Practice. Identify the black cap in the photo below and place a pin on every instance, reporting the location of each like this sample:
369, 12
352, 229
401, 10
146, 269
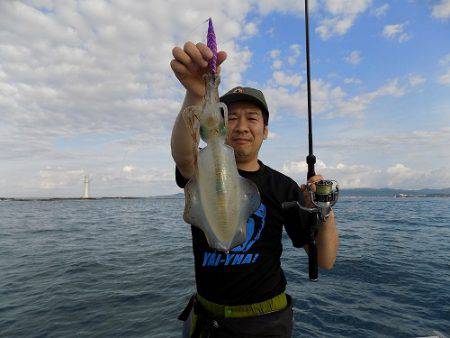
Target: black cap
247, 94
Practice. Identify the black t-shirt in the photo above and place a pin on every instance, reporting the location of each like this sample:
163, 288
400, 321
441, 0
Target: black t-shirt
251, 272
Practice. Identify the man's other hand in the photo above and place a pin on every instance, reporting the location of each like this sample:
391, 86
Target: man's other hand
312, 185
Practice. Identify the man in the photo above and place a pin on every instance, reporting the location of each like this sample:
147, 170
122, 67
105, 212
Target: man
241, 294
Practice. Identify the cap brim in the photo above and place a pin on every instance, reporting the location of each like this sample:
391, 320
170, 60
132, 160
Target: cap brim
239, 97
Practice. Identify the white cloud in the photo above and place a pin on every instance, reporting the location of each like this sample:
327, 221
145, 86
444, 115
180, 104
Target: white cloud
51, 178
300, 167
251, 29
284, 79
445, 61
343, 15
283, 6
338, 15
365, 176
237, 64
295, 49
86, 87
101, 62
358, 104
399, 175
346, 7
334, 26
415, 79
272, 135
380, 11
441, 10
354, 57
352, 80
277, 64
327, 101
399, 169
396, 31
445, 78
414, 143
80, 76
128, 168
275, 53
292, 60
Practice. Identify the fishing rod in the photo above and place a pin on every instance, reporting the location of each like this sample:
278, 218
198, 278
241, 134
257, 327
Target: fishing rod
324, 193
310, 159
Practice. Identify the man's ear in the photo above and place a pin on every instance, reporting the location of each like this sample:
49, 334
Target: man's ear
266, 132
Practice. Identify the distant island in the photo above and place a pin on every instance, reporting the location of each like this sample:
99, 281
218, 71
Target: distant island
373, 192
359, 192
399, 193
65, 198
381, 192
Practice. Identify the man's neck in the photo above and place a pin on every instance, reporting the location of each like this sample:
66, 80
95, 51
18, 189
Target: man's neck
248, 166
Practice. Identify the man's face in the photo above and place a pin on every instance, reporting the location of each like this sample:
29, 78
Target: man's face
246, 130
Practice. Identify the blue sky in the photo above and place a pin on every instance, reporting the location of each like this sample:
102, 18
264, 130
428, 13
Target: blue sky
86, 88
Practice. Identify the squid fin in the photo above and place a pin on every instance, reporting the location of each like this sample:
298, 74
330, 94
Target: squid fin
250, 203
191, 203
250, 195
191, 116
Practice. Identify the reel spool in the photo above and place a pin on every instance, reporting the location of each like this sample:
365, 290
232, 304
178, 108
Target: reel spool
325, 196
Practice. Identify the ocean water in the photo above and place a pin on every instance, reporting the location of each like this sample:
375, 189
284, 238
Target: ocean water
124, 268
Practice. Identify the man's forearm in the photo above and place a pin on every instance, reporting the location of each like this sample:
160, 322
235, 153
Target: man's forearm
327, 243
181, 141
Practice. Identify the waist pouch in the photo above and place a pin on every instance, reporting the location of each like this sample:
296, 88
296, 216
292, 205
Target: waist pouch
272, 318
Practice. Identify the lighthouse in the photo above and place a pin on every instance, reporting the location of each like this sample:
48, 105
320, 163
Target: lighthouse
86, 187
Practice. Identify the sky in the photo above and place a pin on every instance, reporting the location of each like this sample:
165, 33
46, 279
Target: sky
86, 89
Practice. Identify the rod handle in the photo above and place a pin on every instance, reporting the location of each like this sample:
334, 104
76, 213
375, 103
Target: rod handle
313, 267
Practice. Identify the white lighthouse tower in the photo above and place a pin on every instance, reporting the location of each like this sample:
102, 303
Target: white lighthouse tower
86, 187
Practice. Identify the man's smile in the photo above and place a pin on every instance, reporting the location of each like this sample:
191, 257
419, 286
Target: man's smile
241, 140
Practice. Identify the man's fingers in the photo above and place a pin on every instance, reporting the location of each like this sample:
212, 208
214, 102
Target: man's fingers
315, 179
221, 57
181, 56
195, 54
205, 51
179, 68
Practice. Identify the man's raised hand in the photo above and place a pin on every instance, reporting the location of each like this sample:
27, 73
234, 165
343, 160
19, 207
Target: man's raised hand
189, 65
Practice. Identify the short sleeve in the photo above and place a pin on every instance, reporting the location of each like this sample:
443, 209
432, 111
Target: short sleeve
296, 220
180, 179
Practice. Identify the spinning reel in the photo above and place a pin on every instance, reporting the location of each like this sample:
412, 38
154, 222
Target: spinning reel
325, 196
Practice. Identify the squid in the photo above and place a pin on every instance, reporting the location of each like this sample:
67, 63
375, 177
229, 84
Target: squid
217, 199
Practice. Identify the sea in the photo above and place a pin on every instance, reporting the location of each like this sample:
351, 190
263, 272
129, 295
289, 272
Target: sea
124, 268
